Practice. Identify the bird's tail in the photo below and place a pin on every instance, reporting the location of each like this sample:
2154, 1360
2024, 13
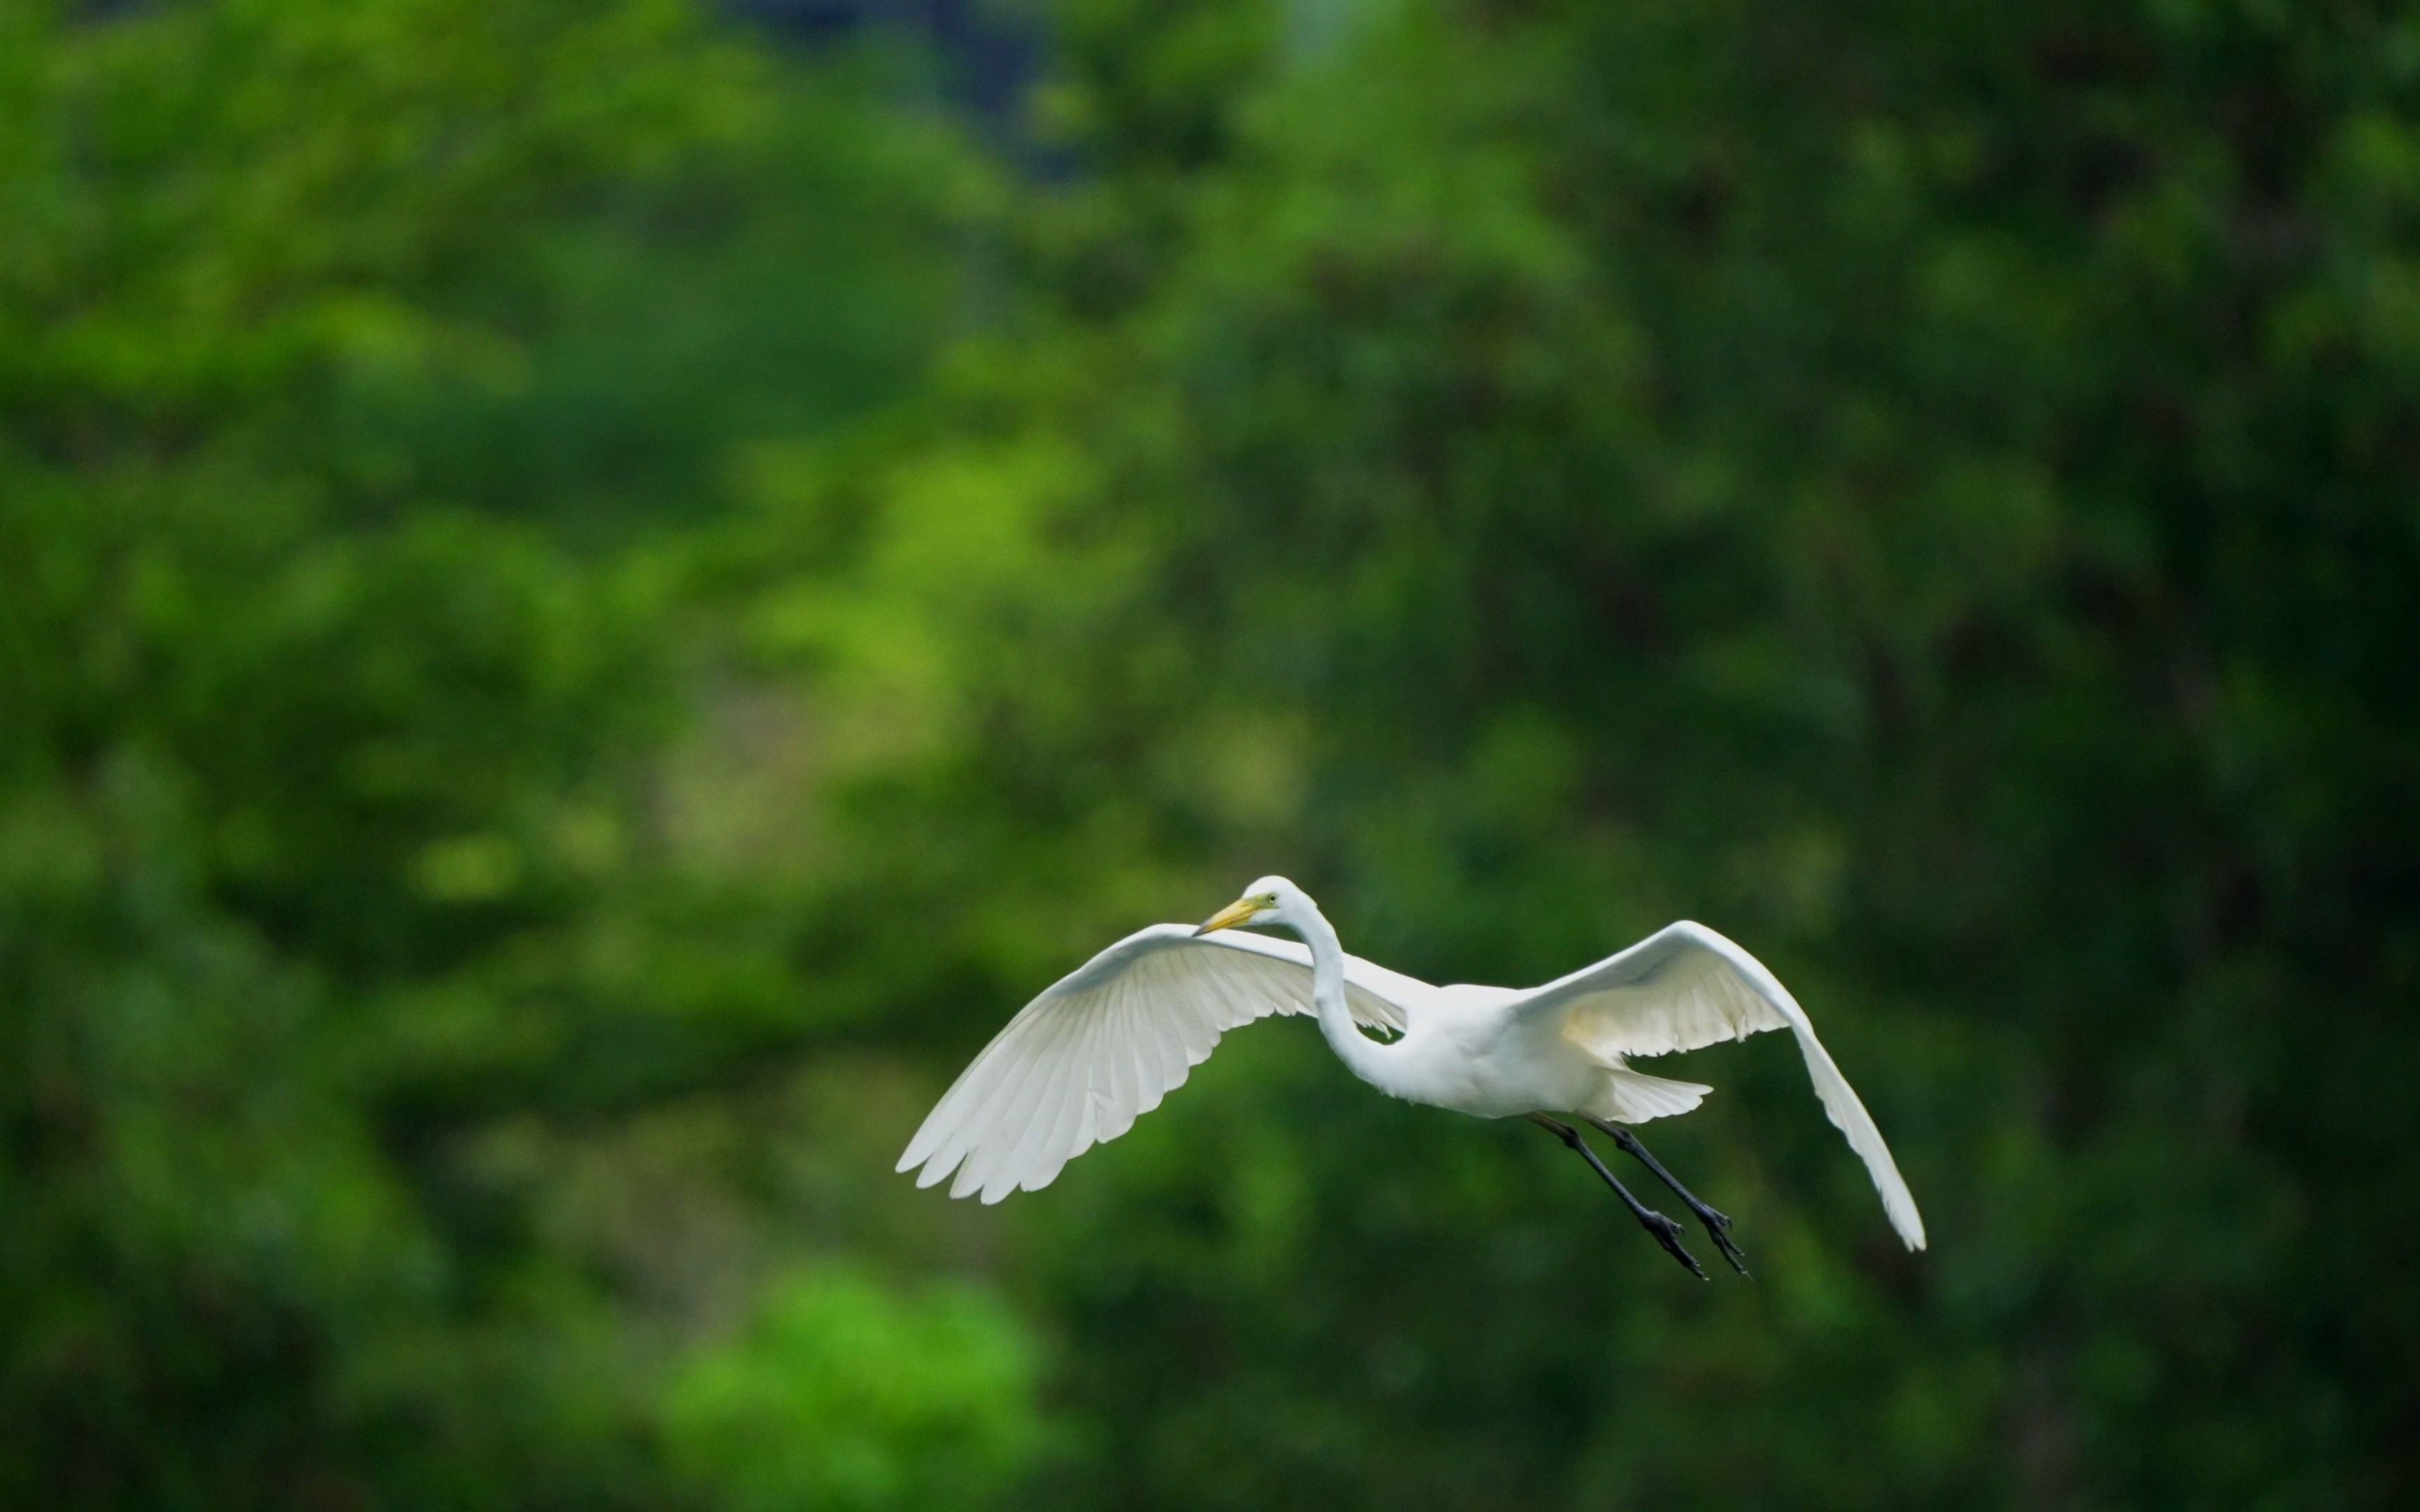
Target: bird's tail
1634, 1097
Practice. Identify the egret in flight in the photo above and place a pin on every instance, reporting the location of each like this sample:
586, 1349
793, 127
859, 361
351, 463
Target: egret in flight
1103, 1045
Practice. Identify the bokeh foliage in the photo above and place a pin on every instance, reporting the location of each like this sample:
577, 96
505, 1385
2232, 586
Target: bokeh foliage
586, 602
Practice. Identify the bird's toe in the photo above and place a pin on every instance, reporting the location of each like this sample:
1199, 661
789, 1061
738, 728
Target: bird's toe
1668, 1233
1730, 1252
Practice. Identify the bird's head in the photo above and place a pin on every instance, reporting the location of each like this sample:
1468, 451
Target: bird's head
1262, 903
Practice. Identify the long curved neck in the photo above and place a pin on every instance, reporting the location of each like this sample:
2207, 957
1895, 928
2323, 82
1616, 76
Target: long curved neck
1365, 1057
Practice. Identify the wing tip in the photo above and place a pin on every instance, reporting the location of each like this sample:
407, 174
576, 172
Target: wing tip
1910, 1227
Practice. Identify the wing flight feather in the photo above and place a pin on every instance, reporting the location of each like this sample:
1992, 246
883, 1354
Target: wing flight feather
1110, 1040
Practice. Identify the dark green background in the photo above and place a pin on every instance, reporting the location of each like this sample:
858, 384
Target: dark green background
589, 600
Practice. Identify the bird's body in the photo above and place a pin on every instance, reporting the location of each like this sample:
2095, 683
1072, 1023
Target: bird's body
1105, 1044
1466, 1050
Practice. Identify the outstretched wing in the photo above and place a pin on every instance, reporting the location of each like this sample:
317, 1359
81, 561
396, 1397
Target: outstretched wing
1686, 986
1081, 1062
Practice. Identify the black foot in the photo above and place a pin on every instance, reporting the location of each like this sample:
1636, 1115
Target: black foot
1667, 1234
1718, 1228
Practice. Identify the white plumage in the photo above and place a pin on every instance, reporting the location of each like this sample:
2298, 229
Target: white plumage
1104, 1044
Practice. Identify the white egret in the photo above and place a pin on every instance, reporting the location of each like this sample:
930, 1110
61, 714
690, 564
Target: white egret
1105, 1042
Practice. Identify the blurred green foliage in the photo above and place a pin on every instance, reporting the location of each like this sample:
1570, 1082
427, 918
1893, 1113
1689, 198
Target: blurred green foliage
843, 1395
587, 603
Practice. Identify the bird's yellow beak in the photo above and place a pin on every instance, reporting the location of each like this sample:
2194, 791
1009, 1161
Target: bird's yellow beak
1231, 915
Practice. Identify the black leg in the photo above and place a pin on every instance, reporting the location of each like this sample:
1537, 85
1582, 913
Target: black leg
1666, 1232
1718, 1228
